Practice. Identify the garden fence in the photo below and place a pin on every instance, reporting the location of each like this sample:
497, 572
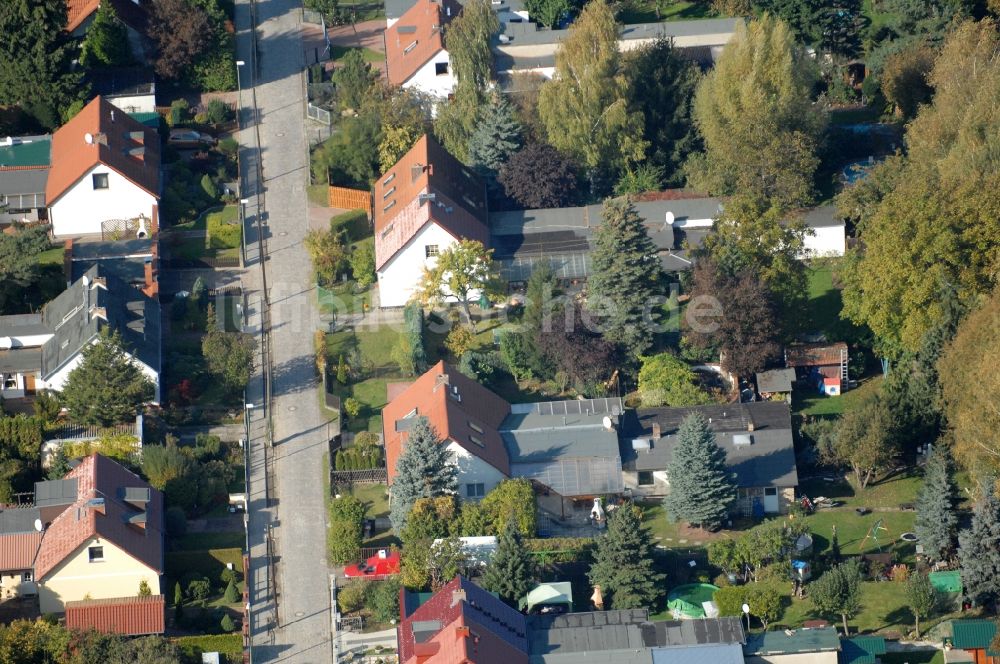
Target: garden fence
350, 477
319, 114
346, 198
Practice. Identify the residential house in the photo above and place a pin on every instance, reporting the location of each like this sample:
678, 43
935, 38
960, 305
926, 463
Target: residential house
95, 534
756, 437
524, 47
128, 616
823, 365
425, 203
24, 170
38, 351
104, 177
463, 624
971, 642
568, 449
507, 11
132, 89
415, 54
132, 13
465, 415
816, 645
460, 624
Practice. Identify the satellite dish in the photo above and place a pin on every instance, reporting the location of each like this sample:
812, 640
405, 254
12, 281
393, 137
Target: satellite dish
6, 343
670, 218
746, 607
88, 138
608, 424
38, 525
86, 281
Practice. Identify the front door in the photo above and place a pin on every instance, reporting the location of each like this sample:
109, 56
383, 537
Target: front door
771, 500
29, 383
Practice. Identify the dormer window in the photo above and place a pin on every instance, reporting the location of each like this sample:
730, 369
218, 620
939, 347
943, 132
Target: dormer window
409, 48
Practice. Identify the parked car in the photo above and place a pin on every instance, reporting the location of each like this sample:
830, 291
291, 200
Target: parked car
384, 563
190, 138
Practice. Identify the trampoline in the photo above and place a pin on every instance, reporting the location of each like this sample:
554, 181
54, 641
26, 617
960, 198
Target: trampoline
687, 601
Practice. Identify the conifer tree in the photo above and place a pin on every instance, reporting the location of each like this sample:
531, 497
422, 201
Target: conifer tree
497, 136
510, 571
979, 550
424, 470
106, 43
624, 285
231, 595
107, 387
701, 487
623, 562
936, 521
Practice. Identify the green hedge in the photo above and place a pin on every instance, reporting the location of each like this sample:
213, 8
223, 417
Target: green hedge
208, 562
230, 645
223, 229
413, 328
560, 549
354, 224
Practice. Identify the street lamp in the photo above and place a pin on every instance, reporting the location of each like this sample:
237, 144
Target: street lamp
243, 226
239, 95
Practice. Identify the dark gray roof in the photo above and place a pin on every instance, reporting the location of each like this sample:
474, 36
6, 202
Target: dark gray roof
823, 216
24, 188
693, 632
55, 492
18, 520
520, 34
767, 460
775, 380
125, 81
396, 8
594, 631
778, 642
20, 360
562, 429
79, 313
18, 325
722, 653
130, 270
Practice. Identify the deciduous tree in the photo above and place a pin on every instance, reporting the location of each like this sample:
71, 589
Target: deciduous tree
537, 176
937, 523
230, 355
702, 488
107, 387
327, 251
921, 597
19, 268
904, 78
979, 549
623, 562
511, 501
666, 380
510, 571
181, 31
463, 271
838, 591
866, 438
424, 470
626, 279
760, 125
585, 107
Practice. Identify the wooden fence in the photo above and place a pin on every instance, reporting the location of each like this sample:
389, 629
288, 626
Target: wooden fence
349, 477
351, 199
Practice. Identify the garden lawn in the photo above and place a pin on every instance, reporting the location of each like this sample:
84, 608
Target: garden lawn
53, 256
338, 53
200, 541
851, 531
374, 498
811, 402
644, 11
375, 346
663, 532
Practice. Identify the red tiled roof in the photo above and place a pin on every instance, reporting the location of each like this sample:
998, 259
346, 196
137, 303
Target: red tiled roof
114, 135
814, 355
459, 204
131, 616
474, 627
17, 551
130, 13
100, 477
417, 37
453, 408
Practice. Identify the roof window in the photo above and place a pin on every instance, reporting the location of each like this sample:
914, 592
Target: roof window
388, 193
387, 208
409, 48
477, 441
389, 178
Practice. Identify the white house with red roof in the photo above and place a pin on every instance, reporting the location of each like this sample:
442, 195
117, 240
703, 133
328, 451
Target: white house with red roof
425, 203
95, 534
104, 177
415, 54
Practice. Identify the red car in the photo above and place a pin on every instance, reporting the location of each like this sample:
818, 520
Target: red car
385, 563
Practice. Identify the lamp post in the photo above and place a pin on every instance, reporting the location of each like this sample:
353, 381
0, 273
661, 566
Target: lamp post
746, 610
239, 95
243, 227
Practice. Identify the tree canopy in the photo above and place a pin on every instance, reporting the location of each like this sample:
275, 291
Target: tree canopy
230, 355
623, 562
702, 488
19, 269
107, 387
423, 470
936, 523
585, 108
838, 591
666, 380
106, 43
510, 571
755, 113
979, 550
929, 220
538, 176
181, 31
463, 271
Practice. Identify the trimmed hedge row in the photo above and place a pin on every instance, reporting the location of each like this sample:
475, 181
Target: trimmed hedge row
229, 645
560, 549
413, 329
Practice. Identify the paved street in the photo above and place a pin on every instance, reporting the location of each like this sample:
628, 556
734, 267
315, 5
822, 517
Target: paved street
298, 630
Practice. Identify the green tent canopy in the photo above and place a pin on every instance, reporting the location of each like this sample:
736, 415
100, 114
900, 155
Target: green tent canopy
946, 582
560, 592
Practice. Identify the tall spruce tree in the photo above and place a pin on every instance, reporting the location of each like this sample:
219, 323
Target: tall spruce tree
625, 284
106, 43
623, 562
979, 550
936, 522
423, 470
107, 387
496, 137
701, 487
510, 571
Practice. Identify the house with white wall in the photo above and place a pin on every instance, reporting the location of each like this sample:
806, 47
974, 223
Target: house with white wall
39, 351
95, 534
104, 177
425, 203
414, 48
507, 11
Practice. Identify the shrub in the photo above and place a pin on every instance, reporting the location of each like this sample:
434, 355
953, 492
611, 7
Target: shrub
383, 600
345, 533
209, 187
229, 146
352, 596
227, 623
413, 330
352, 407
217, 111
176, 521
460, 340
229, 575
178, 112
199, 588
232, 595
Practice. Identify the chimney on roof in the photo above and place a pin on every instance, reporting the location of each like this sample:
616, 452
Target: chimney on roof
656, 431
442, 379
458, 596
750, 424
416, 170
463, 631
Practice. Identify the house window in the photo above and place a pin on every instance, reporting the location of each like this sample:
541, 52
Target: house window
475, 427
96, 554
770, 491
431, 250
477, 441
441, 68
10, 382
100, 180
26, 577
475, 490
645, 478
